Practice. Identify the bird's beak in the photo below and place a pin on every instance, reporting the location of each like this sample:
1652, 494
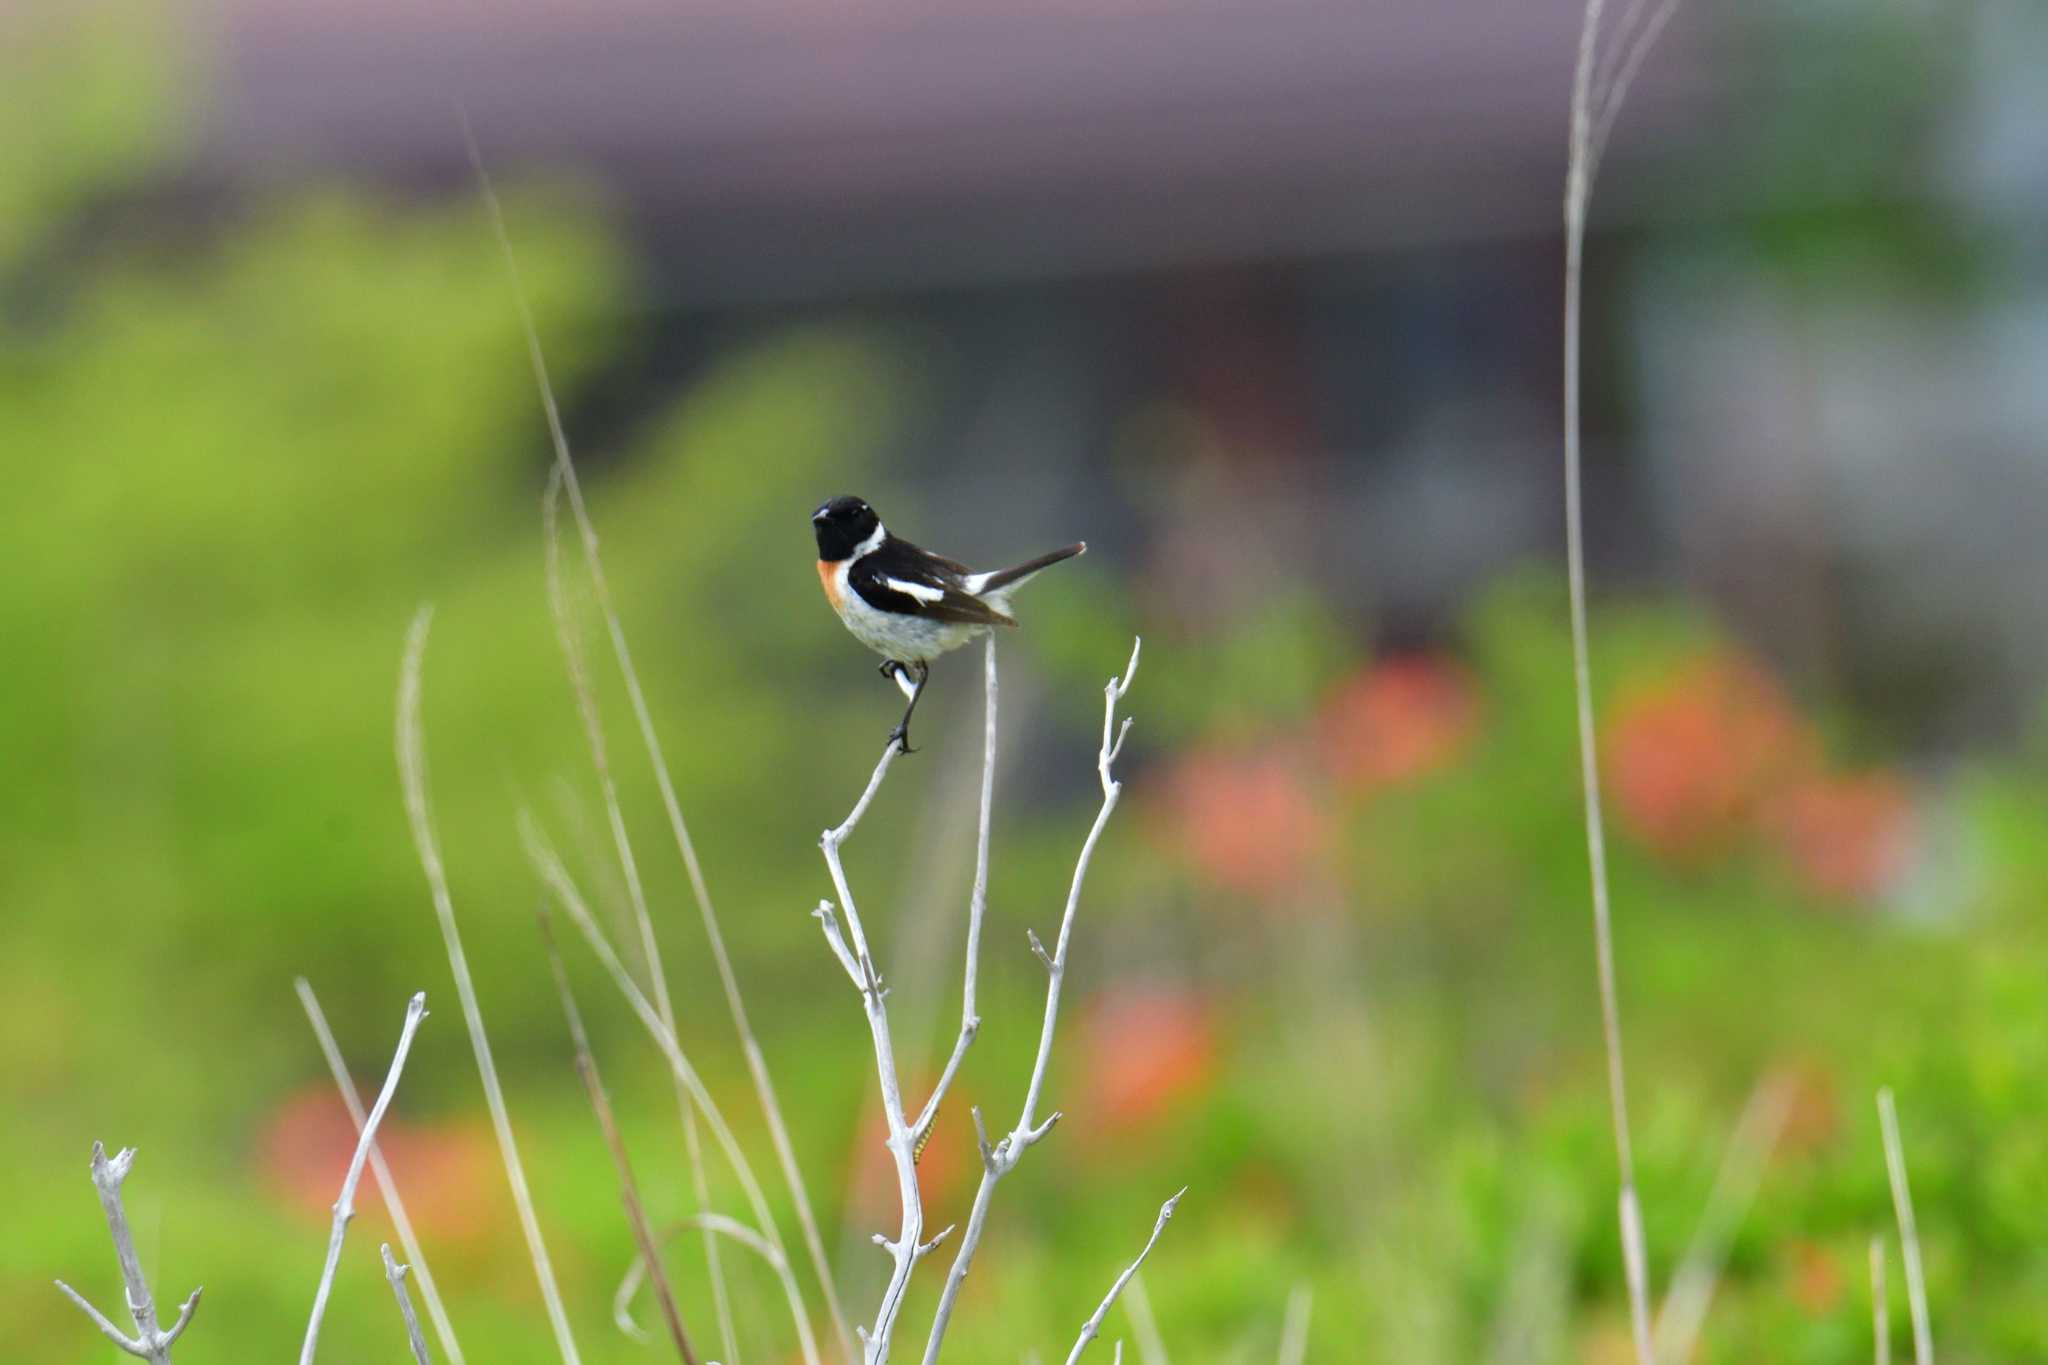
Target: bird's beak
817, 518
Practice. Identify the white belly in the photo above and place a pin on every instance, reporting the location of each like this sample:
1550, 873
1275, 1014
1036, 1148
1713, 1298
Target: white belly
907, 639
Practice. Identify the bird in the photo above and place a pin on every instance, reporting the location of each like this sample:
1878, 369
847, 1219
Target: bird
907, 604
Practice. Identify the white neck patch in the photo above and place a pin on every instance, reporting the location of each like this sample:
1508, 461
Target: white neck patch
872, 543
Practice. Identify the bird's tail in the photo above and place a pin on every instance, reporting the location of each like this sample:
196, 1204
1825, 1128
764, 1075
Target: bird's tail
1006, 579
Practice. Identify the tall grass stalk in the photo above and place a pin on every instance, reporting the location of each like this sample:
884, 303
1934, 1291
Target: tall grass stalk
412, 767
1598, 86
757, 1066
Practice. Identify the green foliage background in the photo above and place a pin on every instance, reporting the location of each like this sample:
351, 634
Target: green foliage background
237, 464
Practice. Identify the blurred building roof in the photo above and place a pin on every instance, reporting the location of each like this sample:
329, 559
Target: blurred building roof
788, 145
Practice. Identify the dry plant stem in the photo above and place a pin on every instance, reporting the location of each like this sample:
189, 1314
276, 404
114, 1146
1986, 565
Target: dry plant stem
757, 1066
395, 1273
150, 1342
1144, 1326
1880, 1322
1909, 1231
629, 1188
718, 1225
1584, 154
1094, 1323
1294, 1330
412, 767
380, 1171
629, 866
345, 1205
556, 877
1735, 1185
1000, 1157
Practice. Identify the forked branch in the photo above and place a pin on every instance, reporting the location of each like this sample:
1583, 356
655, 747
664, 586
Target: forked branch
395, 1273
345, 1205
1000, 1157
150, 1342
849, 946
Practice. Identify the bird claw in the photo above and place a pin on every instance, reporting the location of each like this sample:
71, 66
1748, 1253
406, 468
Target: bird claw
900, 737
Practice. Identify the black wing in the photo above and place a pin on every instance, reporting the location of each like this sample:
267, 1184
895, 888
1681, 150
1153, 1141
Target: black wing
897, 576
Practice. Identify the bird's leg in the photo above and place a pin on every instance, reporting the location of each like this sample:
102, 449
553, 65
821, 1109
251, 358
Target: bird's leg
901, 734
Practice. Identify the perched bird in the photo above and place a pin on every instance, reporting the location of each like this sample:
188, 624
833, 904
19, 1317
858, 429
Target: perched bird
906, 604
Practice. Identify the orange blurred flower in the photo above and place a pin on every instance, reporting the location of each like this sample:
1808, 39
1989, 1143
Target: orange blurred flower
1814, 1279
1148, 1049
1846, 837
445, 1172
1248, 819
1694, 758
1399, 719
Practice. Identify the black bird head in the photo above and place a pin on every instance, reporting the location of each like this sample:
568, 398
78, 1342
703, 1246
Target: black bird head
842, 524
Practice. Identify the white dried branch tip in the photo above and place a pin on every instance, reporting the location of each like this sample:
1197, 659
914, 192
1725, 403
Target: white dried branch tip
345, 1205
150, 1342
1090, 1328
380, 1172
836, 941
1909, 1231
395, 1273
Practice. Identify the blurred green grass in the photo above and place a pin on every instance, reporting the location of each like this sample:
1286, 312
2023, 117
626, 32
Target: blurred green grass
239, 464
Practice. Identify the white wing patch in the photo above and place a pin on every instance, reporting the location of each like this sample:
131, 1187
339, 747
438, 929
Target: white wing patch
923, 592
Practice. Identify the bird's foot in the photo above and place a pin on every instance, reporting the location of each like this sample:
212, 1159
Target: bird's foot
900, 737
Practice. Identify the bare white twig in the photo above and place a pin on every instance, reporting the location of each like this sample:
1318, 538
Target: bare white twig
1735, 1186
556, 877
1094, 1323
629, 866
1294, 1330
1592, 115
1880, 1316
150, 1342
1000, 1157
395, 1273
757, 1066
412, 767
345, 1205
1909, 1231
380, 1170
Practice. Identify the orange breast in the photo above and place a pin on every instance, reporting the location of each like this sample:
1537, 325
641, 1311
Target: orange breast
828, 574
